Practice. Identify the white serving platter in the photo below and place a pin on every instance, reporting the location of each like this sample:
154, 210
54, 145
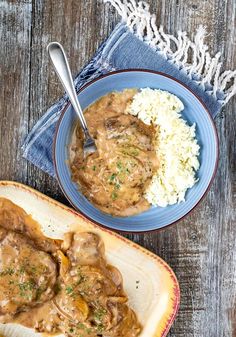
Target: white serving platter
151, 285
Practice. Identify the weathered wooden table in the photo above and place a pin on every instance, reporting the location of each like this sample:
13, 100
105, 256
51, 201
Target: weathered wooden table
202, 248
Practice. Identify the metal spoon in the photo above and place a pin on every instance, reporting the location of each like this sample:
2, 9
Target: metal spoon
61, 65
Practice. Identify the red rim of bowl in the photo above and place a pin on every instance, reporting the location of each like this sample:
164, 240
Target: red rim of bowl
152, 72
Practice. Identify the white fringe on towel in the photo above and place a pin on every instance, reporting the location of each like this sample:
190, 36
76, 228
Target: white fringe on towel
191, 56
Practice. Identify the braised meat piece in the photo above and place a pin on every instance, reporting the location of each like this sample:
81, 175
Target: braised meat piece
115, 177
67, 287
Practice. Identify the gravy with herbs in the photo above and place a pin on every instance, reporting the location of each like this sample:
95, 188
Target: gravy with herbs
59, 286
115, 177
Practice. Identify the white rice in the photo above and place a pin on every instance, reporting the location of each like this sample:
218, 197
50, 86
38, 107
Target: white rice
176, 145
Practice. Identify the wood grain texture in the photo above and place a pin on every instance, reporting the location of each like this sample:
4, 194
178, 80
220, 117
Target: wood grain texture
15, 32
201, 249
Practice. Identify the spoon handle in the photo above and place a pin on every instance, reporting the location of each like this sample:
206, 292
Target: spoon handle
61, 65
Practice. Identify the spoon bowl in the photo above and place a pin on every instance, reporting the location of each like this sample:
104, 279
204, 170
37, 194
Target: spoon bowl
61, 65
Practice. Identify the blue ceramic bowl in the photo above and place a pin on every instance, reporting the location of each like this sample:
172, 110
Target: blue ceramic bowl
194, 112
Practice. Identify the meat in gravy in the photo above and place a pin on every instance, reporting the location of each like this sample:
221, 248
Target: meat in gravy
59, 286
115, 177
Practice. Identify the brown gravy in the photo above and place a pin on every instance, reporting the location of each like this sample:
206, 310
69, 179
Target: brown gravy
59, 286
115, 177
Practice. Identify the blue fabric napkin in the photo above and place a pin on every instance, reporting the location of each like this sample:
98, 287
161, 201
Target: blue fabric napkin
137, 43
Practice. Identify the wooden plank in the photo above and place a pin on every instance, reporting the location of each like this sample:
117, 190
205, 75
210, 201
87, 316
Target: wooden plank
202, 248
15, 32
77, 25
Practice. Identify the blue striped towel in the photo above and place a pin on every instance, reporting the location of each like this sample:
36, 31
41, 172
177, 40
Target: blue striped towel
137, 42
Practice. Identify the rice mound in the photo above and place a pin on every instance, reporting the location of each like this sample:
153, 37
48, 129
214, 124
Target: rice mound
176, 145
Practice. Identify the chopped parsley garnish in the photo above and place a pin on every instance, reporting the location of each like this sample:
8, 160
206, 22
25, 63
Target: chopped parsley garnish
94, 168
69, 290
98, 317
26, 288
112, 177
114, 196
39, 292
100, 328
7, 271
122, 169
82, 278
135, 152
34, 269
99, 313
119, 165
10, 271
81, 326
